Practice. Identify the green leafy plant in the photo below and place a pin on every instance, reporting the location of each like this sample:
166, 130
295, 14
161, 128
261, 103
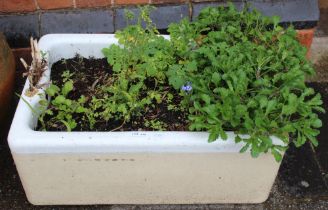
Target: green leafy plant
142, 58
247, 75
235, 71
61, 108
138, 82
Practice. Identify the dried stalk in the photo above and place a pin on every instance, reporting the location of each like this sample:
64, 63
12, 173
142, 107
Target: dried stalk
35, 71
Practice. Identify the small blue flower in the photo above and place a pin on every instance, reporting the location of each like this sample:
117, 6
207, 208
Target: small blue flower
187, 88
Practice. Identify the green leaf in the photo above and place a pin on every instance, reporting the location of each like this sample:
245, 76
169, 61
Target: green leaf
263, 102
206, 98
177, 82
244, 148
316, 100
67, 125
275, 20
68, 102
43, 102
255, 151
223, 134
82, 99
276, 154
291, 108
288, 128
49, 112
216, 78
59, 100
151, 71
52, 90
68, 87
106, 52
213, 136
270, 106
267, 140
80, 109
317, 123
238, 139
313, 140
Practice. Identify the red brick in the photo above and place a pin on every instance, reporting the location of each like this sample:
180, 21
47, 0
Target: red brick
55, 4
92, 3
7, 6
126, 2
167, 1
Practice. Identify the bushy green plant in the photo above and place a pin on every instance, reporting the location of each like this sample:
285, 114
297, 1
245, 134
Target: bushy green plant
247, 75
142, 57
236, 71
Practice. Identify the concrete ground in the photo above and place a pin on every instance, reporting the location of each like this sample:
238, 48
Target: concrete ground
302, 181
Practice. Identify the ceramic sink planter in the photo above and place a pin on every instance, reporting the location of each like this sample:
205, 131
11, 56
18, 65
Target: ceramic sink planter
129, 167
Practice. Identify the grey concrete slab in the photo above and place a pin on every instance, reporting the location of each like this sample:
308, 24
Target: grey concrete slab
162, 16
197, 7
289, 11
18, 28
77, 21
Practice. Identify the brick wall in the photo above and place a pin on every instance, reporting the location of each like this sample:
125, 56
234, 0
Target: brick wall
20, 19
25, 6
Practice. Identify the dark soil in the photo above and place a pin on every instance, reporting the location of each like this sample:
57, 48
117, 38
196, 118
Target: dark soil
85, 72
88, 75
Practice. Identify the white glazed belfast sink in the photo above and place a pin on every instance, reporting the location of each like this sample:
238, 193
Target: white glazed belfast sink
129, 167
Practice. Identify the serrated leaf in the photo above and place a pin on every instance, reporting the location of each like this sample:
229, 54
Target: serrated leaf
316, 100
223, 134
213, 136
313, 140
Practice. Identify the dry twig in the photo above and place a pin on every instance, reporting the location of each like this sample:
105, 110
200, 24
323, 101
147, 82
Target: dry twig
35, 71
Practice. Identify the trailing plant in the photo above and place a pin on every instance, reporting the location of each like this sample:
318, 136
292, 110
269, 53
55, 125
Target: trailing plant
235, 71
246, 74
